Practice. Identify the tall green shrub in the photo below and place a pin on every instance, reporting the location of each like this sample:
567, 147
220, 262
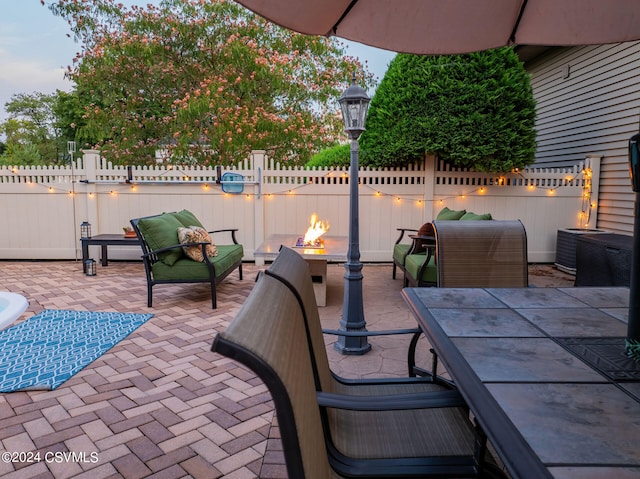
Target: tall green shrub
337, 156
475, 110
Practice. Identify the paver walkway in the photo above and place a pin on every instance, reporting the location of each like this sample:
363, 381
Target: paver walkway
160, 404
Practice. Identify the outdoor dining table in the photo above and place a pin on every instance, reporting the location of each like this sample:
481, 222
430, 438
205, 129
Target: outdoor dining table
545, 373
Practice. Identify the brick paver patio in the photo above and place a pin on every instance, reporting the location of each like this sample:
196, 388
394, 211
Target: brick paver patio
159, 404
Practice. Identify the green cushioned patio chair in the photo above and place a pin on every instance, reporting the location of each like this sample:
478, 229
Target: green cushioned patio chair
422, 239
164, 259
327, 435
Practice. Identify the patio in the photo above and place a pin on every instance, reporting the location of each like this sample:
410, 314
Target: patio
160, 404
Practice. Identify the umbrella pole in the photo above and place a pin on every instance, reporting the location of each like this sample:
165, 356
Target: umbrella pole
633, 320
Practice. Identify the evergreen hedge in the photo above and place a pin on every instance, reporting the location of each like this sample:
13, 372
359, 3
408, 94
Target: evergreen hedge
475, 110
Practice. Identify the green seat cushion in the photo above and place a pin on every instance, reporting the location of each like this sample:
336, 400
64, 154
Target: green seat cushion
475, 217
187, 218
399, 252
228, 255
189, 270
414, 262
447, 214
160, 232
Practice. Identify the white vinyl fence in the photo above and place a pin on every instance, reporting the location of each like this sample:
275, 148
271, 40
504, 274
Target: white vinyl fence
43, 206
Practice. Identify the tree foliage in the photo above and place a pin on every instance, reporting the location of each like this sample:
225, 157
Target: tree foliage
207, 80
475, 110
336, 156
31, 130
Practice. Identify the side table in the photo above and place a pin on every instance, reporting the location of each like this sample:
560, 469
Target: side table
104, 241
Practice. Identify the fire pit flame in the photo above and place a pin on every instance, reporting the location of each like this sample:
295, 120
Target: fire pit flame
312, 238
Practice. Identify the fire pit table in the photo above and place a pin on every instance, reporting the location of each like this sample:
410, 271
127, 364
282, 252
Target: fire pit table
334, 249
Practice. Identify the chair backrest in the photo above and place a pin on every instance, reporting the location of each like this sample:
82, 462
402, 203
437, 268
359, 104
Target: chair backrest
293, 271
481, 254
269, 336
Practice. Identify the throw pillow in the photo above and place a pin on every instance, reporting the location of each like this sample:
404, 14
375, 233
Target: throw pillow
196, 234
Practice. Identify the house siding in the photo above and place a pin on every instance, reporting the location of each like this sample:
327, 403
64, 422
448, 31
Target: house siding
588, 104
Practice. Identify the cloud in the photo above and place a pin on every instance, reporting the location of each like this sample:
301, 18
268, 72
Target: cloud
27, 76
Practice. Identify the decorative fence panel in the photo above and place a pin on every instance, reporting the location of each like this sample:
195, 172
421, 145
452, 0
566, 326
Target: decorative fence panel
43, 207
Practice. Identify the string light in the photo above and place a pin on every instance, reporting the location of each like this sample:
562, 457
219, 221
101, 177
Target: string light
584, 215
587, 204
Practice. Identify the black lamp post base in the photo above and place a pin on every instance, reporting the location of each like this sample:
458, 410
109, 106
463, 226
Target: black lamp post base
353, 346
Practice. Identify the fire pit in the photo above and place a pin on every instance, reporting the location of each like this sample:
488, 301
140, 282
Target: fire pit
312, 238
318, 243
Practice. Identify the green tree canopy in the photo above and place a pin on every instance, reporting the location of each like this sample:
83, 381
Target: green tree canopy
31, 132
208, 81
475, 110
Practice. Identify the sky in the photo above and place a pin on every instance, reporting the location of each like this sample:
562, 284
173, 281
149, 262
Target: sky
35, 50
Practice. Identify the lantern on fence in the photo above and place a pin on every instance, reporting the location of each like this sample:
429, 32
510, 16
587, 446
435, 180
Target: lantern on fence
85, 230
90, 267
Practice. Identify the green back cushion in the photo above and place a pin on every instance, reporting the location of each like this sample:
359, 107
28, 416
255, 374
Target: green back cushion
187, 218
160, 232
474, 217
447, 214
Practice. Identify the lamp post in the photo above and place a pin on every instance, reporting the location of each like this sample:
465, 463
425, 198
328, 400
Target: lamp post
354, 103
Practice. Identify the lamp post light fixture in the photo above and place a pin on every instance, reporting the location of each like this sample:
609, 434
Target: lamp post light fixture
354, 103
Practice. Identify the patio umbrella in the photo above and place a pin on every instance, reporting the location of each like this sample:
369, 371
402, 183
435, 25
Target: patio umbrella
457, 26
441, 27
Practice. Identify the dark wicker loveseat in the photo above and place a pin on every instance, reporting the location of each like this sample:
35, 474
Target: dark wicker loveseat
164, 258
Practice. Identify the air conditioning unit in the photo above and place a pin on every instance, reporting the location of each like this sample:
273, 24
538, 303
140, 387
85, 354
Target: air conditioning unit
566, 245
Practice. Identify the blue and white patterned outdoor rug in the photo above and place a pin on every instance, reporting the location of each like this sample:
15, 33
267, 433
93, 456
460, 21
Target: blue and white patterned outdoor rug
45, 350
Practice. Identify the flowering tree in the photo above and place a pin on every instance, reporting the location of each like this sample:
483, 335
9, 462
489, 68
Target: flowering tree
205, 81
